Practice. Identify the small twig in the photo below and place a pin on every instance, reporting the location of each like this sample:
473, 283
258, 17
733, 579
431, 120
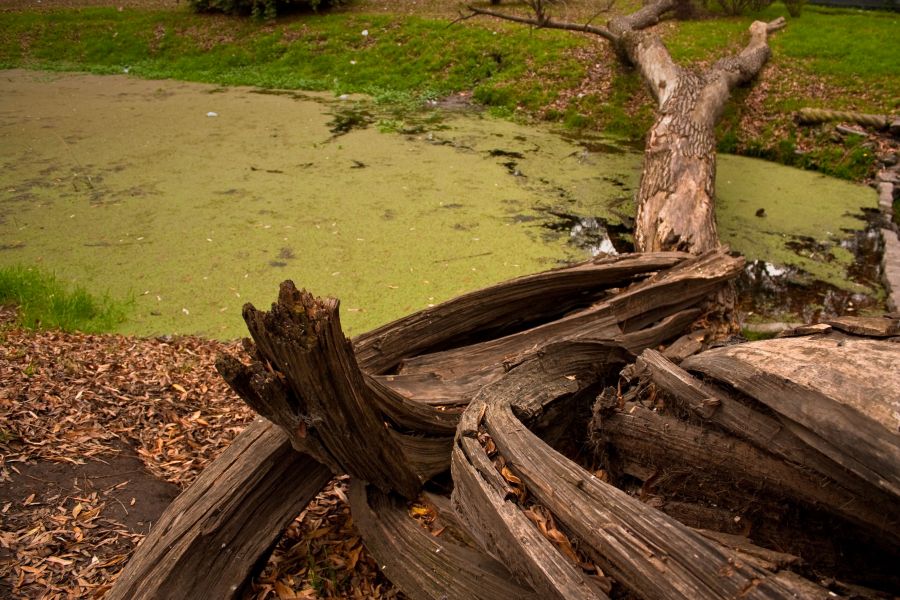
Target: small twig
462, 257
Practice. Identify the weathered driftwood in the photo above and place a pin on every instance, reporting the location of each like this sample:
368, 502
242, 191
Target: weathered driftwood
641, 305
852, 497
209, 540
704, 464
649, 553
836, 393
250, 478
505, 308
305, 376
425, 566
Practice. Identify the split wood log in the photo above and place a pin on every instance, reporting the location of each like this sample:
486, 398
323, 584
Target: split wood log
306, 379
854, 498
837, 393
665, 294
209, 540
422, 565
505, 308
705, 465
647, 552
263, 477
305, 376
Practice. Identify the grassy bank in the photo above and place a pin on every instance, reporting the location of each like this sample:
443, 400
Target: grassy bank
834, 58
45, 302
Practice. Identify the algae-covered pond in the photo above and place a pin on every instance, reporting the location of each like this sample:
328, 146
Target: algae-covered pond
195, 199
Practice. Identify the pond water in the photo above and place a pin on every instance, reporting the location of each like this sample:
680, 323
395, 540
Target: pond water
194, 199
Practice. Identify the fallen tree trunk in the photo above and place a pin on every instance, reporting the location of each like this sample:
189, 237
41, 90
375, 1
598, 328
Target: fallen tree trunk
251, 480
676, 196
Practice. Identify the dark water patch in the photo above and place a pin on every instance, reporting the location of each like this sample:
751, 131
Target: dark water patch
286, 253
771, 291
512, 167
602, 146
277, 263
867, 247
452, 205
808, 247
506, 153
345, 119
273, 92
594, 235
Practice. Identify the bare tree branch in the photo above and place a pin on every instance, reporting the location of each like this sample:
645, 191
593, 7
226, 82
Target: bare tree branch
545, 22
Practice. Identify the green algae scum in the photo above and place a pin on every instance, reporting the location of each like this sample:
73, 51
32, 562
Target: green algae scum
195, 199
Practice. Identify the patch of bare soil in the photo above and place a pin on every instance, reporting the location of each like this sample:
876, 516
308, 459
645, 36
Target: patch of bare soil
98, 433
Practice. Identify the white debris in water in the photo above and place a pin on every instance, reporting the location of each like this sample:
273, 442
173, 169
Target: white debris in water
774, 270
212, 114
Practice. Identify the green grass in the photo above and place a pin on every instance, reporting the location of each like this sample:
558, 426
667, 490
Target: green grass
853, 49
401, 58
45, 302
840, 59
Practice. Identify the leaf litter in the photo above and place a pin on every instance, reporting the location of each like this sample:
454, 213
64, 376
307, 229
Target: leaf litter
71, 400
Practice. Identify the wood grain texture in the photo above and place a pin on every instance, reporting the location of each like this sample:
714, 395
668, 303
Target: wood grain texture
209, 540
838, 393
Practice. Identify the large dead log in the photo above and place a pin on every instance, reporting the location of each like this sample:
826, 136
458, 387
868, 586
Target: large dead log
209, 540
853, 497
836, 393
304, 375
262, 477
649, 553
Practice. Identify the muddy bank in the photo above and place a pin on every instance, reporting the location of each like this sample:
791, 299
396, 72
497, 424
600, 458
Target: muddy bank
195, 199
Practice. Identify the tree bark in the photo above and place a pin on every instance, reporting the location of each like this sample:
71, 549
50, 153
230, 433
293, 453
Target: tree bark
210, 539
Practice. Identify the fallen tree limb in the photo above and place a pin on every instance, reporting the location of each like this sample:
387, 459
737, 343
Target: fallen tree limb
649, 553
422, 565
855, 498
814, 116
209, 540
